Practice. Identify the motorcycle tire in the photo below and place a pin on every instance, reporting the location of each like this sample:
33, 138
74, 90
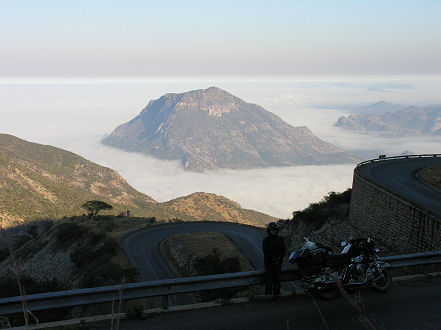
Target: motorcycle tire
384, 284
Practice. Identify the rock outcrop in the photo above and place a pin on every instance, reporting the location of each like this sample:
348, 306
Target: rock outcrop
210, 128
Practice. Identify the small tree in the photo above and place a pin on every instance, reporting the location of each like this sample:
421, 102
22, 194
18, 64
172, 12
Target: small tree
95, 206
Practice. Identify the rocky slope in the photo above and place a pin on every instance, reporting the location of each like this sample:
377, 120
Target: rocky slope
406, 121
203, 206
40, 182
210, 128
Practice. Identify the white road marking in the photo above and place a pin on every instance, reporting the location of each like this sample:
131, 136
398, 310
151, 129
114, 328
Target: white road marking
148, 262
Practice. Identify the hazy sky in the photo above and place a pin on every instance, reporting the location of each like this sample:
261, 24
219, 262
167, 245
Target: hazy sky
141, 38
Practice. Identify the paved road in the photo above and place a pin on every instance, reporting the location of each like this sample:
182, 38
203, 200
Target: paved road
142, 249
398, 177
409, 306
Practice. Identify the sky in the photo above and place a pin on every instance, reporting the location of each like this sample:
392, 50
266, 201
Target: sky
92, 38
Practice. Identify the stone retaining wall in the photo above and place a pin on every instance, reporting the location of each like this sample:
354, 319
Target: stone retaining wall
399, 225
184, 259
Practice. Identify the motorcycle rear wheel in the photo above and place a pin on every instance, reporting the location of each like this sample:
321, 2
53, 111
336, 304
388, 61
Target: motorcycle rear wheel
384, 283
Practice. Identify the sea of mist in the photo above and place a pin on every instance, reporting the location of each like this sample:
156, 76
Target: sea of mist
75, 114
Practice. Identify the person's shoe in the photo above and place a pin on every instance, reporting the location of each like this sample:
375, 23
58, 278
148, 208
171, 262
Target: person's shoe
268, 297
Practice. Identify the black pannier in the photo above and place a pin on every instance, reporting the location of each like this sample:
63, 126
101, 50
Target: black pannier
311, 261
337, 260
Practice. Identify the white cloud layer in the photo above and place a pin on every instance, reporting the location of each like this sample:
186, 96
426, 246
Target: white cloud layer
75, 117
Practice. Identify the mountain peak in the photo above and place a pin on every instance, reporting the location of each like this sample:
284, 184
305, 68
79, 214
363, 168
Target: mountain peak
213, 100
211, 128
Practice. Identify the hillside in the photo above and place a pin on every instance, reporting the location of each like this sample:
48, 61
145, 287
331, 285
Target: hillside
40, 182
406, 121
210, 128
201, 206
375, 108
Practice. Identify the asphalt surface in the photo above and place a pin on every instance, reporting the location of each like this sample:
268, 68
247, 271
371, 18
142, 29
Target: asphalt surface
408, 306
142, 249
398, 177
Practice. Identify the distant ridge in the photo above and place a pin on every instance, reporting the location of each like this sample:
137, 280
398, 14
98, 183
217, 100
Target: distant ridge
40, 182
412, 120
210, 128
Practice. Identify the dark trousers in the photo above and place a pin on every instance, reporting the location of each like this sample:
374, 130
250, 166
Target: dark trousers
272, 278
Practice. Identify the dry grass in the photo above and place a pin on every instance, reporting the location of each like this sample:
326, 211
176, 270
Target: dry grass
115, 228
430, 176
202, 244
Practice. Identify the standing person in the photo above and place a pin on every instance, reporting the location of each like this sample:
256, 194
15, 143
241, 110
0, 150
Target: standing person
273, 250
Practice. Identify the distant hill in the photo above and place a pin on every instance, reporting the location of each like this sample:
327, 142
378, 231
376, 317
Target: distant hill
407, 121
210, 128
210, 206
39, 182
377, 108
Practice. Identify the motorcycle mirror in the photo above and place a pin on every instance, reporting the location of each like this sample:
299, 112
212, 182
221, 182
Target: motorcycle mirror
343, 243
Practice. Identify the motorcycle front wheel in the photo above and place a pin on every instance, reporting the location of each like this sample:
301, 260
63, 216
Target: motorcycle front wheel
383, 284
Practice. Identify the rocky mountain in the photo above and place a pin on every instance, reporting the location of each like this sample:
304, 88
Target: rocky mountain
210, 128
40, 182
210, 206
407, 121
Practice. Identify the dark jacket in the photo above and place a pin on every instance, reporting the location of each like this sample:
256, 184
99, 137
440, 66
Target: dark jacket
273, 249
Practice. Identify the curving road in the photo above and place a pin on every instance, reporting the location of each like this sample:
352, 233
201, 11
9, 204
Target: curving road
142, 249
398, 177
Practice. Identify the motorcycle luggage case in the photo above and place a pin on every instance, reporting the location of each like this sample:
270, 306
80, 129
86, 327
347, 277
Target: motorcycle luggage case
337, 260
311, 261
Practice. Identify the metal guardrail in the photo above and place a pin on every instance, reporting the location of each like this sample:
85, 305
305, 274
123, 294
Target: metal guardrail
381, 159
417, 259
165, 288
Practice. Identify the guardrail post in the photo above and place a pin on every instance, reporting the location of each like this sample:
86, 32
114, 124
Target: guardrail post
165, 301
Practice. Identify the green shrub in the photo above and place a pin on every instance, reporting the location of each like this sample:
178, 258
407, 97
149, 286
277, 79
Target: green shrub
85, 254
9, 286
230, 265
93, 263
4, 322
82, 256
95, 238
212, 264
110, 247
151, 219
134, 311
67, 233
209, 264
106, 273
329, 207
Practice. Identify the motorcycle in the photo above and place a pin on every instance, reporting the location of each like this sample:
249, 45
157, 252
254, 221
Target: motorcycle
357, 266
